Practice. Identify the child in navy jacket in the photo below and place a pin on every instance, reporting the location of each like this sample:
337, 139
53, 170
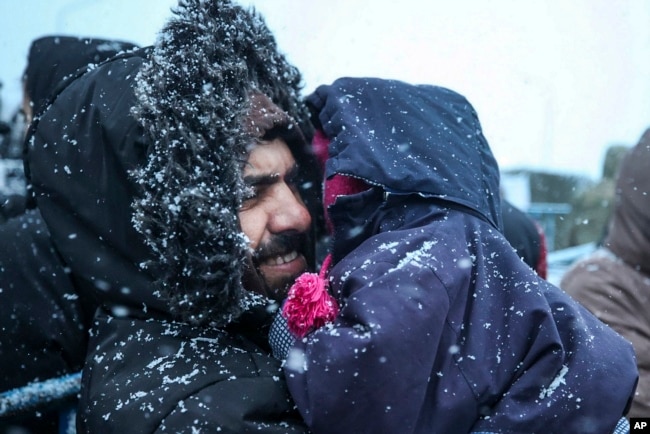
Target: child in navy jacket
437, 325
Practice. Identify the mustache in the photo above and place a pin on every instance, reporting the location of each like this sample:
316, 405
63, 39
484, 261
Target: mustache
279, 245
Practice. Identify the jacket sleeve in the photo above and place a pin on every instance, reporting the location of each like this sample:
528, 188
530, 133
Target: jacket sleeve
369, 371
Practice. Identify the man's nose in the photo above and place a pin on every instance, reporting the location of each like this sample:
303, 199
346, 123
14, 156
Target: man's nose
290, 212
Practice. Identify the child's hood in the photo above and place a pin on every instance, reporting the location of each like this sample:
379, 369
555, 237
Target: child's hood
409, 139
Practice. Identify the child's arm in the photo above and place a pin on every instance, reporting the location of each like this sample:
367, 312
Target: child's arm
370, 369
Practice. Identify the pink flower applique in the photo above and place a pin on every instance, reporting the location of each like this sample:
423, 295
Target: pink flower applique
309, 305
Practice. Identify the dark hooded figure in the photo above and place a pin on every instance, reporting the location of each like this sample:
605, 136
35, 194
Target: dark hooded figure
53, 58
45, 320
50, 61
32, 279
171, 180
442, 328
614, 281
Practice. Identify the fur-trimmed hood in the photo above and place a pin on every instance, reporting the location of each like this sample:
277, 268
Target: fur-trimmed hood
147, 152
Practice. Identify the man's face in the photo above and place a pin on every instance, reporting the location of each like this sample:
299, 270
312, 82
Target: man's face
274, 219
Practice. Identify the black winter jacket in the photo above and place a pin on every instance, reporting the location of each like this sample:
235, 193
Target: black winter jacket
159, 376
50, 335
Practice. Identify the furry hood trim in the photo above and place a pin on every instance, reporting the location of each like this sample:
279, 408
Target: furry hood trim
192, 97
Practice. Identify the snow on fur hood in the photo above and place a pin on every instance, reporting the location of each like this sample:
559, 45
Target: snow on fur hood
157, 144
192, 100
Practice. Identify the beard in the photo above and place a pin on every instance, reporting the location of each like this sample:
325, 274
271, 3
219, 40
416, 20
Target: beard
259, 276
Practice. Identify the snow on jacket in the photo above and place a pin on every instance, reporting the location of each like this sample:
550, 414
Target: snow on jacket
614, 281
159, 376
44, 321
136, 168
442, 328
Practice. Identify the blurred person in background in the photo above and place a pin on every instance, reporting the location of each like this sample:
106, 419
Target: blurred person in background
51, 59
5, 131
526, 236
591, 210
614, 281
44, 331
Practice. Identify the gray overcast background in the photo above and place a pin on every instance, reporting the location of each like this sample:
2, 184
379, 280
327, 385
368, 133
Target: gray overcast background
554, 82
